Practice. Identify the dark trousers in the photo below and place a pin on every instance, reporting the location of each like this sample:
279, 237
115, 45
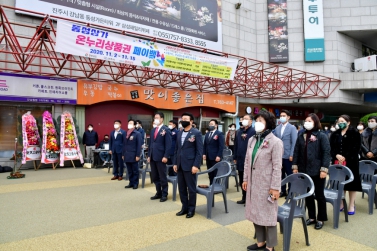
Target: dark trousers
211, 175
158, 170
171, 170
286, 171
319, 186
133, 173
187, 189
232, 148
118, 164
240, 176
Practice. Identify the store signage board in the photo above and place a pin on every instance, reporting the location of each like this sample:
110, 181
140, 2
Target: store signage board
27, 88
90, 92
278, 31
314, 30
193, 22
94, 43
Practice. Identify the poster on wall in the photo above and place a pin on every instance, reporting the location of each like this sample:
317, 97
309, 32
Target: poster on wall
80, 40
30, 139
193, 22
277, 31
314, 34
50, 146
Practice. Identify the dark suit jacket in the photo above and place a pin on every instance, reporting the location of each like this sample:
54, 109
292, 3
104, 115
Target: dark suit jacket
142, 134
116, 144
174, 134
160, 147
132, 147
240, 146
191, 152
214, 146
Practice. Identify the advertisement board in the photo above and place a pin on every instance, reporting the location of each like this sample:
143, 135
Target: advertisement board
193, 22
37, 89
95, 43
277, 31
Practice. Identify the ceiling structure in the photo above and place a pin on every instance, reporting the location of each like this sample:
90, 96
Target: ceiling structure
35, 54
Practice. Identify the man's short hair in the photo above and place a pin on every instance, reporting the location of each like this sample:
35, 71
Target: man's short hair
161, 114
117, 120
132, 121
286, 112
174, 122
139, 122
188, 114
214, 120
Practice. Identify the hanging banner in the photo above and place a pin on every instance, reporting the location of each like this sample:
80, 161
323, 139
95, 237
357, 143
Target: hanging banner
30, 139
50, 146
277, 31
94, 43
193, 22
69, 144
314, 34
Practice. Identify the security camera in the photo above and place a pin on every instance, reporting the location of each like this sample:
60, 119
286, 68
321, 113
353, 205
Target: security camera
238, 5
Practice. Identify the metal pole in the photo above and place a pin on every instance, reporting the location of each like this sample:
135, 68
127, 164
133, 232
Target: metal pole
15, 155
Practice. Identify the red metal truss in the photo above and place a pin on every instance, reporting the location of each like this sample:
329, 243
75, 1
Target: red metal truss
35, 54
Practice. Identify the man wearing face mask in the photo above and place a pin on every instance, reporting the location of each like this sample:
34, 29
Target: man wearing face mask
158, 155
174, 132
213, 147
288, 134
369, 140
230, 137
117, 139
131, 154
90, 140
105, 156
139, 128
240, 148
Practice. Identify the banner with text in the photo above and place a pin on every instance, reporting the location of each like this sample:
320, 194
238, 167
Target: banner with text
90, 92
90, 42
192, 22
314, 30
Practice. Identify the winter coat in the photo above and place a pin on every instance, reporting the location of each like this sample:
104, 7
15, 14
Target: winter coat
365, 148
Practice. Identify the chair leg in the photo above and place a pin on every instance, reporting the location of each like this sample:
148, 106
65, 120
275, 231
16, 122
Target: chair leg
209, 205
175, 185
281, 227
362, 195
287, 232
370, 201
375, 198
213, 200
345, 210
227, 182
336, 207
225, 202
305, 231
237, 183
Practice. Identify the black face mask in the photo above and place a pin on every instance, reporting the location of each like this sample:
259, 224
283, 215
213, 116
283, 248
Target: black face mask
105, 140
185, 123
241, 124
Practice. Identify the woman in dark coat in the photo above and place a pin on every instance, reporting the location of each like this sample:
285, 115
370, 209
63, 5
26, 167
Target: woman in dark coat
345, 146
312, 157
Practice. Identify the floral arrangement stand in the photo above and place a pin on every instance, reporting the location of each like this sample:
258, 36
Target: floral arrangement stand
69, 144
30, 137
50, 145
16, 174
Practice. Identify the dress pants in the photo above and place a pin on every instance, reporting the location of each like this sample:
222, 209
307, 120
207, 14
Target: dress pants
267, 234
187, 189
159, 177
211, 175
118, 164
286, 171
240, 176
171, 170
133, 173
319, 186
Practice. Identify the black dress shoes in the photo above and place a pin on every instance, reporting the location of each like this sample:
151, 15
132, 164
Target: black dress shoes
182, 212
156, 197
255, 247
310, 222
129, 186
319, 225
190, 215
241, 202
163, 199
135, 187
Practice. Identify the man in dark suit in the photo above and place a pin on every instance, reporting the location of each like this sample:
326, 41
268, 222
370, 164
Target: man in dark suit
213, 147
187, 158
174, 132
139, 128
131, 154
117, 139
158, 155
240, 148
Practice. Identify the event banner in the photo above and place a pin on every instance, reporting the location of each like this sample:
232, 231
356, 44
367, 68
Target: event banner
94, 43
314, 34
193, 22
37, 89
90, 92
277, 31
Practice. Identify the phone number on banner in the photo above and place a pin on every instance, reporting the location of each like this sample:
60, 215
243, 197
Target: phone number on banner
186, 40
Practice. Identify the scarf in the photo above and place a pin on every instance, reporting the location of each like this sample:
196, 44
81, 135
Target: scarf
129, 132
259, 137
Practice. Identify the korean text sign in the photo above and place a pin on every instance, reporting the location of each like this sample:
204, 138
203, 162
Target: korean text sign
90, 92
94, 43
314, 30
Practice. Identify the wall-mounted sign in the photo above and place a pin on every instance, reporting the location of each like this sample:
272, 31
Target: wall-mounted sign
95, 92
90, 42
277, 31
249, 110
192, 22
314, 30
26, 88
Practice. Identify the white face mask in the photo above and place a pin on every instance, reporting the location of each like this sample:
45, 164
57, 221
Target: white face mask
90, 128
308, 125
116, 126
332, 129
137, 125
326, 128
130, 126
336, 127
179, 126
360, 127
232, 128
170, 127
259, 127
372, 125
154, 125
245, 122
157, 121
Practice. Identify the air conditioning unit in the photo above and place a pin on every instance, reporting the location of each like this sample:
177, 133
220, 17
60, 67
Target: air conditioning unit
368, 63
